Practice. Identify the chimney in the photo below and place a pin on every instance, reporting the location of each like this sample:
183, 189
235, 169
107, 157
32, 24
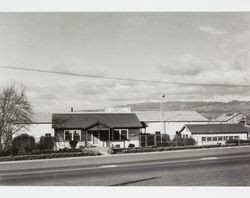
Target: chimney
71, 110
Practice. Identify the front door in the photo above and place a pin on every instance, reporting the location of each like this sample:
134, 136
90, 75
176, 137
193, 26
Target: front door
95, 137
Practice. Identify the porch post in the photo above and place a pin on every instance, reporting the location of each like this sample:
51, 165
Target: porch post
140, 139
86, 137
109, 137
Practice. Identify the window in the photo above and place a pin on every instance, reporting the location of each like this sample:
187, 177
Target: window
220, 138
225, 138
203, 139
119, 134
236, 137
230, 137
76, 135
214, 138
209, 139
116, 135
124, 134
72, 135
67, 136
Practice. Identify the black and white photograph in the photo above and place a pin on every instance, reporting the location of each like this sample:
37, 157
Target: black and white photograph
159, 98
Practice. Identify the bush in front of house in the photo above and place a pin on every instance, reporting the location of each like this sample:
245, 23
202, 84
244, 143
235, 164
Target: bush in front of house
46, 143
73, 144
23, 143
189, 141
131, 146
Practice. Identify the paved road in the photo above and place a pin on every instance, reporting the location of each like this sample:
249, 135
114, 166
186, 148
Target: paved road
217, 170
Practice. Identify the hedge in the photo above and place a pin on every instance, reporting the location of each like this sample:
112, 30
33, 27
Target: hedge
58, 154
38, 151
169, 148
238, 142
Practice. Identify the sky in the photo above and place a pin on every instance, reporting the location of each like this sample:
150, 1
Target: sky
193, 47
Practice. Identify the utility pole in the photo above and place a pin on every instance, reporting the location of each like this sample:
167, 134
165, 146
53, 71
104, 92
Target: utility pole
163, 131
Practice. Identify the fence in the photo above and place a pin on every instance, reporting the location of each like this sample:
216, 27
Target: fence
154, 140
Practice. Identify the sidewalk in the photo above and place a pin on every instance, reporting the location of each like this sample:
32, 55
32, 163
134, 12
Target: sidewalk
121, 158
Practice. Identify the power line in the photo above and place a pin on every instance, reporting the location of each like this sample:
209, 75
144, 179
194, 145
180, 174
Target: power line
124, 79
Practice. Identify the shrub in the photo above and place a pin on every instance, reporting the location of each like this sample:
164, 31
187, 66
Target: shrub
165, 138
46, 142
81, 147
23, 143
189, 141
178, 141
111, 151
73, 144
10, 150
131, 145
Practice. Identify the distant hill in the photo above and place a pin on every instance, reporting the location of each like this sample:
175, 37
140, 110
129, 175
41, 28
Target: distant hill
210, 110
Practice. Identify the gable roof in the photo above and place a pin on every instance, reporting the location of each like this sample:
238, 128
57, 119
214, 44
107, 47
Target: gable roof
227, 116
171, 116
216, 128
84, 120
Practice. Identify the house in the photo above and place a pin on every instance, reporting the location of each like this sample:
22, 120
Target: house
173, 121
231, 118
98, 129
206, 134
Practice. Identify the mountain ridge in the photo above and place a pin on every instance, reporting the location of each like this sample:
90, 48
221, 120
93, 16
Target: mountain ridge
210, 110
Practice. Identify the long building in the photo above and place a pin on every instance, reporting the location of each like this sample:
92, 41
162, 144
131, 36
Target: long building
207, 134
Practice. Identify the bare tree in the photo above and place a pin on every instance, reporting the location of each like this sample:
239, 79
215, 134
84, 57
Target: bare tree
15, 113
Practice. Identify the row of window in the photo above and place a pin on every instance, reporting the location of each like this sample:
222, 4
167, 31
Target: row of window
219, 138
119, 134
115, 135
72, 135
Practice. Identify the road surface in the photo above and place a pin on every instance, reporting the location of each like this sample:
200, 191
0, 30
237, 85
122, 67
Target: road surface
213, 170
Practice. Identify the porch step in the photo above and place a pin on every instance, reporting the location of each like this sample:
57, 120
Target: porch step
102, 150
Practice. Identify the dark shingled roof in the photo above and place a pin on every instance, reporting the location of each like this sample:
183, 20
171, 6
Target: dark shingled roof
84, 120
216, 128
